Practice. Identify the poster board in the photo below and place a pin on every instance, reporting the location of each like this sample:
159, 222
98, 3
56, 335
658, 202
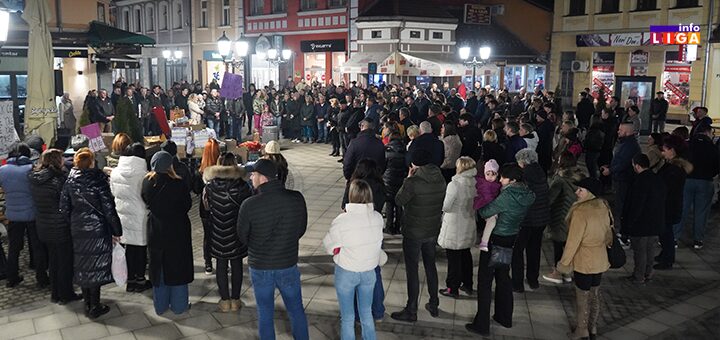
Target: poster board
95, 137
8, 134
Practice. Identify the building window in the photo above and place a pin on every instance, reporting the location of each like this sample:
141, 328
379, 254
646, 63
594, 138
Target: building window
138, 19
577, 7
177, 15
376, 34
308, 5
101, 12
686, 3
126, 19
257, 7
225, 13
610, 6
438, 35
279, 6
150, 18
163, 25
646, 5
414, 34
203, 13
337, 3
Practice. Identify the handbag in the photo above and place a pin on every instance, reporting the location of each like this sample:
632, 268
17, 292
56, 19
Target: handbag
615, 253
500, 256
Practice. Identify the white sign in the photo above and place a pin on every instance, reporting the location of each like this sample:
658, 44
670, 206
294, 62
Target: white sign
179, 135
8, 134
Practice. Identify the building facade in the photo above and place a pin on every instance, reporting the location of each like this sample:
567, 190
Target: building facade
601, 44
169, 22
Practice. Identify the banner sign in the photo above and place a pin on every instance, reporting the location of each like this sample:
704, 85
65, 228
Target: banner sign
23, 52
232, 86
614, 39
477, 14
94, 134
604, 61
337, 45
8, 134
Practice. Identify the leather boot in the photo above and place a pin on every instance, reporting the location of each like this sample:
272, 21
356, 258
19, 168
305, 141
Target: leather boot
96, 308
594, 311
581, 301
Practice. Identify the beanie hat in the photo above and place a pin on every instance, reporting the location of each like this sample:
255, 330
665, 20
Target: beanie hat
169, 147
272, 148
161, 162
492, 165
592, 185
420, 157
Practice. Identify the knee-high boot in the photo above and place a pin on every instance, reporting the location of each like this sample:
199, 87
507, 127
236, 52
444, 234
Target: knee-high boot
581, 301
594, 311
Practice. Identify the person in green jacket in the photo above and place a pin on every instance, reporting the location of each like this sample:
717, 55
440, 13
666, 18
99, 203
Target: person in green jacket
510, 207
421, 195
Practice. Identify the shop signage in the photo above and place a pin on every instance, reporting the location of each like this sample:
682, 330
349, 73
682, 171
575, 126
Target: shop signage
615, 39
22, 52
675, 34
124, 64
337, 45
477, 14
604, 61
212, 55
638, 63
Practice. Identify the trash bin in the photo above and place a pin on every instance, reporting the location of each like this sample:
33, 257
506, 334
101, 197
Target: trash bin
270, 133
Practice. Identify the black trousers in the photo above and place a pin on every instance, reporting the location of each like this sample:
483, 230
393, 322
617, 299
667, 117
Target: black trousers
586, 281
249, 119
207, 235
412, 250
667, 241
394, 214
91, 296
16, 233
136, 258
3, 263
221, 277
503, 288
460, 269
527, 247
61, 270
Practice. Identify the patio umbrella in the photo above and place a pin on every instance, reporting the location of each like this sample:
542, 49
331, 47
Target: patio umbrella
40, 109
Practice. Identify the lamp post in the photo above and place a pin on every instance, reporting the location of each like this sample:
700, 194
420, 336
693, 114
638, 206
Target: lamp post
173, 59
278, 58
474, 63
234, 58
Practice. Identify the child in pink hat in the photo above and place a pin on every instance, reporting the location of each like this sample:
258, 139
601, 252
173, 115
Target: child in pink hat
488, 188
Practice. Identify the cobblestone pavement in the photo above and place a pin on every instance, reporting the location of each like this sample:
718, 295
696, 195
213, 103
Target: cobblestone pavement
680, 304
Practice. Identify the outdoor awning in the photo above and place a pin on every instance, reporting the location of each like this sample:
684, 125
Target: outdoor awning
358, 63
101, 34
429, 64
117, 62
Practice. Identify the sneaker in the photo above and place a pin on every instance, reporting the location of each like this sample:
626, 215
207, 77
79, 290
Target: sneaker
449, 293
534, 285
468, 290
141, 287
567, 278
404, 315
434, 311
208, 269
698, 245
554, 277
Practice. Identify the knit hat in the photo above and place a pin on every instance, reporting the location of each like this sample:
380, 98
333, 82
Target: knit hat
272, 148
592, 185
420, 157
492, 165
169, 147
264, 167
161, 162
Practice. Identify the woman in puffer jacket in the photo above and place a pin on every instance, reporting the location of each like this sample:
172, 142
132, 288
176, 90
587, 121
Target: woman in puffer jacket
458, 231
89, 206
126, 185
224, 193
46, 184
395, 172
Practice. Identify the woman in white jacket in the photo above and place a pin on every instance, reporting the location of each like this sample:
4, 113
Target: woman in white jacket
196, 111
126, 185
458, 230
355, 240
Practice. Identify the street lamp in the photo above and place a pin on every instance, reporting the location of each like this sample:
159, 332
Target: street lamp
464, 52
173, 59
4, 25
278, 58
233, 58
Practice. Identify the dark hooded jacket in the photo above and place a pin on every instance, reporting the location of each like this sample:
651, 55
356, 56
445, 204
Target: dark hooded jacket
224, 193
395, 167
674, 173
538, 215
89, 206
422, 195
46, 186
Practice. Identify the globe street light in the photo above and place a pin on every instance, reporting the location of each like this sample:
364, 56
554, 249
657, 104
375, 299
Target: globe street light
464, 52
276, 57
230, 57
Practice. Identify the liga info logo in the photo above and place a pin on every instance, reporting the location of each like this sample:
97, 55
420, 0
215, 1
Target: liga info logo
675, 34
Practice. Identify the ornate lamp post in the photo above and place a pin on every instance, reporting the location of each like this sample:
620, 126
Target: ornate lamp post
232, 58
484, 55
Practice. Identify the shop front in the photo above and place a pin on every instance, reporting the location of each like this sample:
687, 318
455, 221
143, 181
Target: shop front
323, 60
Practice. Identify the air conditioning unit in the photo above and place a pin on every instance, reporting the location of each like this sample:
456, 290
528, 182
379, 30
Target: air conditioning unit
580, 66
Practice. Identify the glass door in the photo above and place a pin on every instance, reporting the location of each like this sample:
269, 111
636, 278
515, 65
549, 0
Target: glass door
641, 91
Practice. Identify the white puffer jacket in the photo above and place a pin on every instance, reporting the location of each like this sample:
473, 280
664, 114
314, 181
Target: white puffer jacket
126, 185
458, 229
358, 234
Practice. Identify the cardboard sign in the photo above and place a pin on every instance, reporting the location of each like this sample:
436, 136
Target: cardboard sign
94, 134
179, 135
8, 134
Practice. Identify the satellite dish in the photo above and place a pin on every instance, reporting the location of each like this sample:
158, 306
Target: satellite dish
262, 45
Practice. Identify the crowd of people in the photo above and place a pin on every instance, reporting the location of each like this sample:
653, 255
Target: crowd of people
443, 166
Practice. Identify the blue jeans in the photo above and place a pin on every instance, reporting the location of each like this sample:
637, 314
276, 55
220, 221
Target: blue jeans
347, 283
235, 128
215, 125
288, 282
378, 303
307, 132
322, 131
697, 193
172, 297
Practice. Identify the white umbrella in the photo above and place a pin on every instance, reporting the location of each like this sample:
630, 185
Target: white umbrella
40, 110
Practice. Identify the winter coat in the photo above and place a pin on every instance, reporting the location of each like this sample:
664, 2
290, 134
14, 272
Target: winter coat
224, 193
658, 109
422, 196
378, 192
429, 142
307, 115
657, 160
169, 239
492, 150
644, 210
358, 234
704, 158
19, 205
538, 214
510, 207
594, 140
365, 145
512, 146
458, 230
195, 112
271, 223
485, 191
621, 165
589, 235
452, 146
674, 172
126, 185
470, 136
46, 186
395, 168
561, 198
89, 207
112, 159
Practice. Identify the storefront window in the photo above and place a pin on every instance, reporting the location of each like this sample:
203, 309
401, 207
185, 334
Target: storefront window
676, 80
263, 71
4, 86
338, 60
514, 77
535, 77
21, 86
315, 67
603, 74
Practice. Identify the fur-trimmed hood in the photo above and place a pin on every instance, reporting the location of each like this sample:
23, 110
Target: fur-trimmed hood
683, 164
224, 172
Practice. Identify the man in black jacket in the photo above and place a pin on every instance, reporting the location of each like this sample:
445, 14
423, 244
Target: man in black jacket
658, 112
271, 223
644, 217
427, 141
470, 136
365, 145
585, 110
247, 99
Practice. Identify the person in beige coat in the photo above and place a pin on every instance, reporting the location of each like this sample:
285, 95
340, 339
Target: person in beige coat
585, 253
453, 146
